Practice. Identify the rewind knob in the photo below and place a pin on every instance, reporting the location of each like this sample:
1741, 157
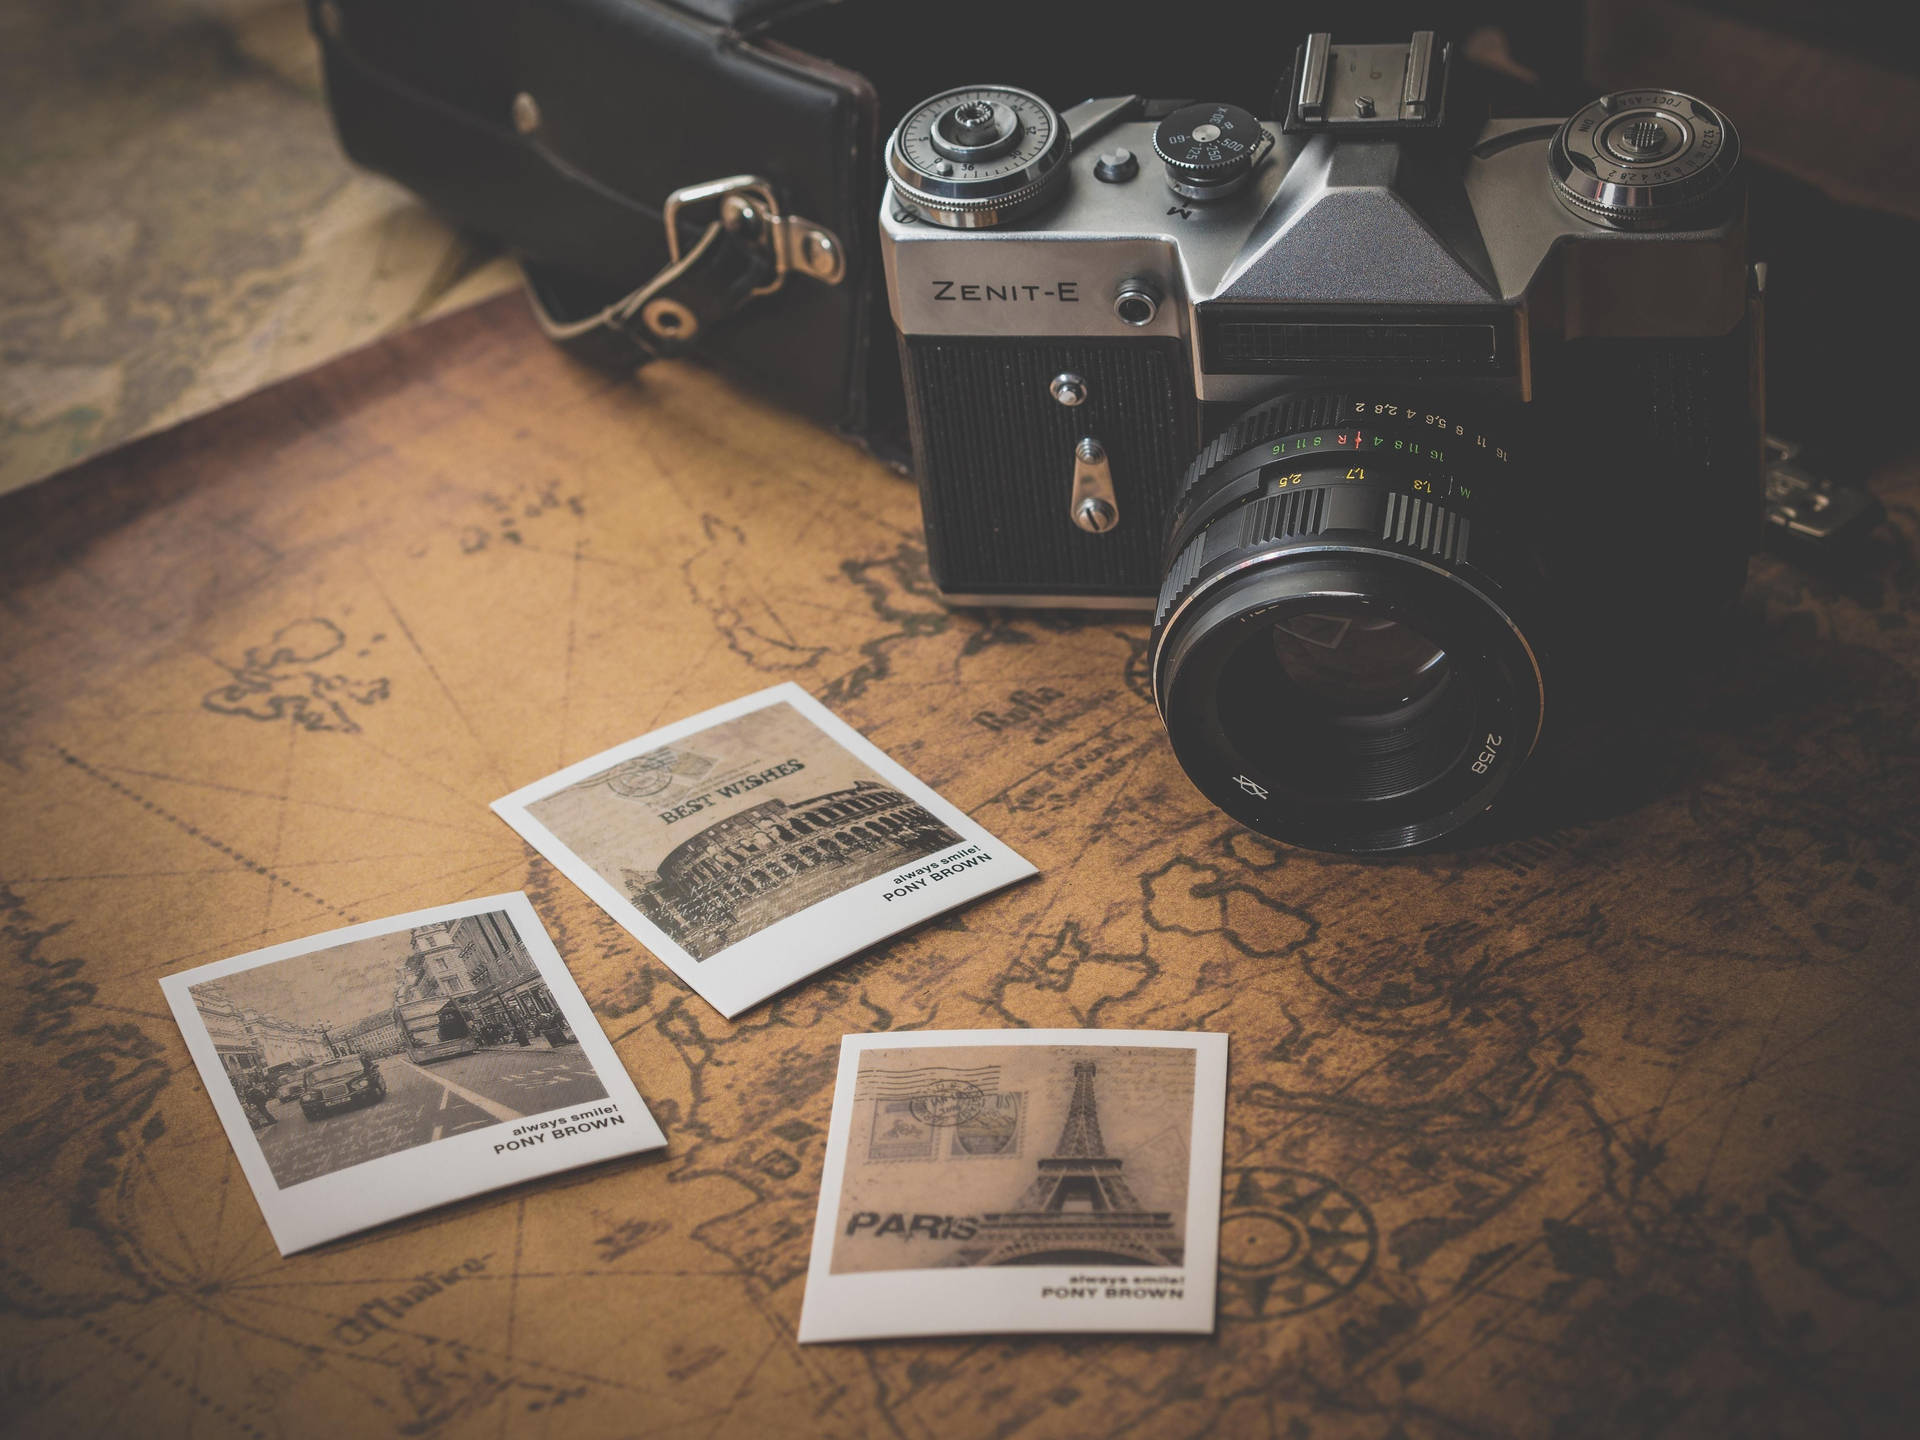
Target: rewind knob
1209, 149
1647, 160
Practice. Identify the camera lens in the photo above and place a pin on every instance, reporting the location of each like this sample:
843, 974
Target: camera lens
1345, 703
1336, 653
1357, 665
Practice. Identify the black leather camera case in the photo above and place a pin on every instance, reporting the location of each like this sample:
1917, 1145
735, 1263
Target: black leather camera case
562, 129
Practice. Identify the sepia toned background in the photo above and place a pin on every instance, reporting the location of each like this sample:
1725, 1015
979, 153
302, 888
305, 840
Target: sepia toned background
1612, 1122
345, 983
1607, 1120
178, 226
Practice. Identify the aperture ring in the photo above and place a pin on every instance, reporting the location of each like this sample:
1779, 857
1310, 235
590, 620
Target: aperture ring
1408, 528
1259, 426
1355, 425
1285, 515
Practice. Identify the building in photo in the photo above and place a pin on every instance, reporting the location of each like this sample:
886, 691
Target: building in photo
530, 1005
436, 965
482, 965
377, 1035
508, 989
744, 873
227, 1028
282, 1043
345, 1053
1079, 1209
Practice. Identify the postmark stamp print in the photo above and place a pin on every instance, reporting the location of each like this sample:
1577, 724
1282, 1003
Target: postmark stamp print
994, 1132
899, 1133
949, 1102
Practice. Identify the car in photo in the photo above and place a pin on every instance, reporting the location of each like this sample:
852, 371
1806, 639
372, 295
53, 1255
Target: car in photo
341, 1084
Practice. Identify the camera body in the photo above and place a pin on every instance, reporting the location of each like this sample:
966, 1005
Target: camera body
1147, 346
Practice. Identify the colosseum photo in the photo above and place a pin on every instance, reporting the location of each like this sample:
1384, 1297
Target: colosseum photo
751, 869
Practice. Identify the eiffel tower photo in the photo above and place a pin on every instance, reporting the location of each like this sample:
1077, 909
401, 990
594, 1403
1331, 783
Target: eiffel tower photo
1078, 1210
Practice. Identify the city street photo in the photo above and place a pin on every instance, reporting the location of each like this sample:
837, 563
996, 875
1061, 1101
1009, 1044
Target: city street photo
454, 1028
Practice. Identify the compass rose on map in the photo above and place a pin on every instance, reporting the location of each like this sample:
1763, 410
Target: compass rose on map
1290, 1240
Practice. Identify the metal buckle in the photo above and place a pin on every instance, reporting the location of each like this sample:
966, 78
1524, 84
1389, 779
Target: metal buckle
747, 207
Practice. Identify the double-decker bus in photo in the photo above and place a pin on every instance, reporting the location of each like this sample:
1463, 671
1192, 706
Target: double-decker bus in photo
432, 1030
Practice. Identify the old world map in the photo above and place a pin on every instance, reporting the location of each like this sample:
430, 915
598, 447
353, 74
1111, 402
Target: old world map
1608, 1126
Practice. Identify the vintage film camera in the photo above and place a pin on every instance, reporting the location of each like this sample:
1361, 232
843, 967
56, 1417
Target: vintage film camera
1411, 420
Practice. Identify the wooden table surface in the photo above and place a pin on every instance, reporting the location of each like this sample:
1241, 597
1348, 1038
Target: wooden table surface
1622, 1118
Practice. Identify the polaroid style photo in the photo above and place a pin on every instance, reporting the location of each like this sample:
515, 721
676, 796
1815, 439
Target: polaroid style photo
993, 1181
757, 843
380, 1070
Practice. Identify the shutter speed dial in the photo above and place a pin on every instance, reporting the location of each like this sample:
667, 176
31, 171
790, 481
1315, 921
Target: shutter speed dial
1209, 149
983, 155
974, 130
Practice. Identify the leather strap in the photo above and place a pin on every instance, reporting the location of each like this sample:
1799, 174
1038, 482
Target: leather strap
706, 282
669, 315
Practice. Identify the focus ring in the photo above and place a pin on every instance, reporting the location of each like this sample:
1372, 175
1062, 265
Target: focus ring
1423, 525
1280, 517
1272, 517
1180, 577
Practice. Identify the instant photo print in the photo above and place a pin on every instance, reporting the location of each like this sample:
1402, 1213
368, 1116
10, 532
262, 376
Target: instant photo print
982, 1181
757, 843
376, 1071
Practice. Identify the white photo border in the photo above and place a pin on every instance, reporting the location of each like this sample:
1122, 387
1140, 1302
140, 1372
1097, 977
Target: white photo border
887, 1304
786, 952
421, 1177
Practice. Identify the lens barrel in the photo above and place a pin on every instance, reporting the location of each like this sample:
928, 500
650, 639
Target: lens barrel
1338, 651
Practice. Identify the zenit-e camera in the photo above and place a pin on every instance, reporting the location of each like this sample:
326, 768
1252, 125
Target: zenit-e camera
1402, 421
